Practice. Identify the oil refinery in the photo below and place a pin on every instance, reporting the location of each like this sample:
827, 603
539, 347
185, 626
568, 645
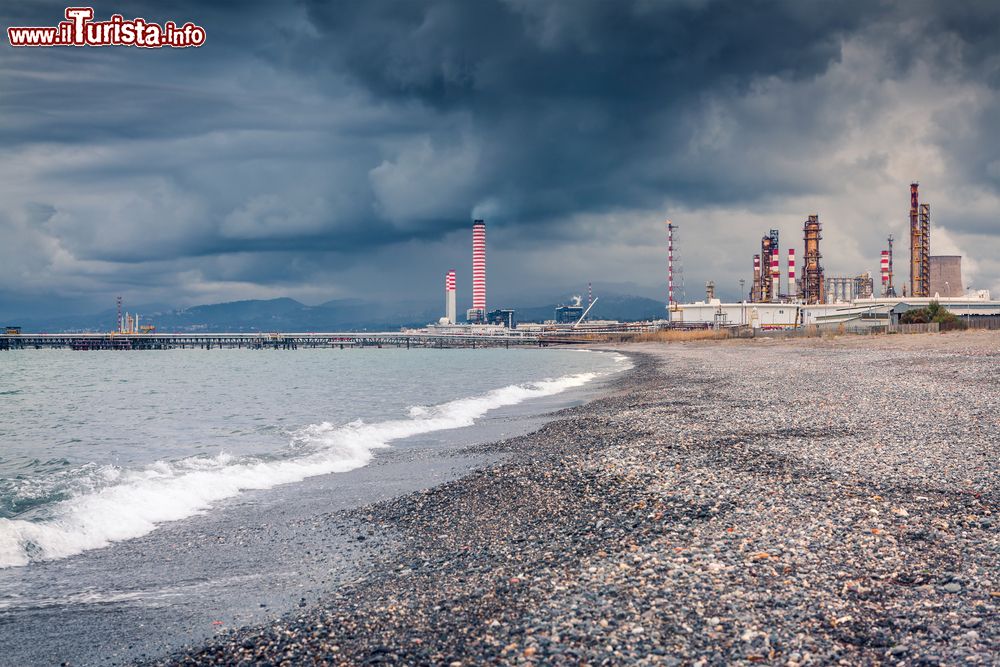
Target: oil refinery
851, 300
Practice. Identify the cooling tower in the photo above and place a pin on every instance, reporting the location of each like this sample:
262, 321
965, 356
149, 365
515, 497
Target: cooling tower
946, 275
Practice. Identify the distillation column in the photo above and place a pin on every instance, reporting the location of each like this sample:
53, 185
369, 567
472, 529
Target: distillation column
812, 288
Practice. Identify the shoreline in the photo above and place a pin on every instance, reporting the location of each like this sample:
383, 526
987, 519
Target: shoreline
254, 557
692, 517
378, 547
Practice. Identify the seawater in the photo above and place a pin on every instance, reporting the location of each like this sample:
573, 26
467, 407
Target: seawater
100, 447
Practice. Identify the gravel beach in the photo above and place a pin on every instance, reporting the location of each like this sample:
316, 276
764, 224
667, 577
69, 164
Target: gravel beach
815, 501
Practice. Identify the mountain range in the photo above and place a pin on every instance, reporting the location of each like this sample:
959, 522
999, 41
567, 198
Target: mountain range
285, 314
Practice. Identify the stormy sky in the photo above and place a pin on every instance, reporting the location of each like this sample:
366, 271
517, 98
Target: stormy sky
323, 150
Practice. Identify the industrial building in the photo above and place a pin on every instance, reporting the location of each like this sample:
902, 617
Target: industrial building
503, 317
568, 314
756, 315
847, 289
857, 313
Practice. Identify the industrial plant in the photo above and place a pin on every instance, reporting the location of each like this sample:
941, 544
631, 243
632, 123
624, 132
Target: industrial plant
803, 294
129, 323
818, 299
500, 321
477, 318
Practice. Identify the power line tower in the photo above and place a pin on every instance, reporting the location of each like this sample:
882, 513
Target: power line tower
675, 271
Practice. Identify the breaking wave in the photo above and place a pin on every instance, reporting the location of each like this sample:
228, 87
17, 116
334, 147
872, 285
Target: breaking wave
118, 504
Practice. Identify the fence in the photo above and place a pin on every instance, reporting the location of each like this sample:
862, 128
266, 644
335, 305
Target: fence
981, 322
930, 327
816, 331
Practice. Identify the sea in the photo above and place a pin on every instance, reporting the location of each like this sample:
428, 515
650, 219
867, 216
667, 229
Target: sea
126, 478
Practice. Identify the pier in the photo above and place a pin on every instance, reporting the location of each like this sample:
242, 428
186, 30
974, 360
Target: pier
273, 341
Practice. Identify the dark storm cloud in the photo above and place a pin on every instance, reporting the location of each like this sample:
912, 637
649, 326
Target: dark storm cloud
305, 140
631, 54
579, 105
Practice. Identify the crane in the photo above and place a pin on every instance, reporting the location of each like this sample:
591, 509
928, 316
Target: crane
586, 311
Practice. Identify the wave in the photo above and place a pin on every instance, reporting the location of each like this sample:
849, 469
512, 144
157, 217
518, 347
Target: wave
122, 504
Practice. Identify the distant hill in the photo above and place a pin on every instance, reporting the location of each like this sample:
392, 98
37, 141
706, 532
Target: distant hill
285, 314
291, 315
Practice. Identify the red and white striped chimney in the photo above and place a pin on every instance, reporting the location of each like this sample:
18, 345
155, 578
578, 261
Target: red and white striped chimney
885, 271
792, 293
775, 274
449, 297
479, 265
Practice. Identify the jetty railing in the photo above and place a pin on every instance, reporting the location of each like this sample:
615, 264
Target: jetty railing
276, 341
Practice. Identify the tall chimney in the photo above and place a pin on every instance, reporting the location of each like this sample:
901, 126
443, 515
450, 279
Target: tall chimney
775, 273
479, 267
449, 297
791, 273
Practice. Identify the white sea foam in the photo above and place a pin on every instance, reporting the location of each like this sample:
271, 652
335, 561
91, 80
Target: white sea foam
124, 504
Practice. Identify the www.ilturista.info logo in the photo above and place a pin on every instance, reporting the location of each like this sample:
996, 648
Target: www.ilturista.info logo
79, 29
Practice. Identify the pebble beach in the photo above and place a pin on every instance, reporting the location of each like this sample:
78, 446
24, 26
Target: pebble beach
785, 502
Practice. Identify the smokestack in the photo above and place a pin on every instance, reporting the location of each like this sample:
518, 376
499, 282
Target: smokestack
775, 274
791, 273
479, 266
449, 297
885, 273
